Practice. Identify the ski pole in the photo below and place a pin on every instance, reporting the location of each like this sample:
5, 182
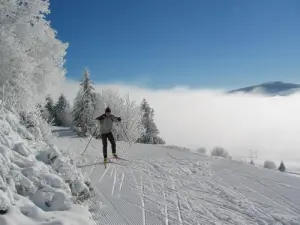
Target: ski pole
87, 145
125, 134
89, 141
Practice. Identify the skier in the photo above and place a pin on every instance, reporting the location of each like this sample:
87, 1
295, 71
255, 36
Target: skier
106, 123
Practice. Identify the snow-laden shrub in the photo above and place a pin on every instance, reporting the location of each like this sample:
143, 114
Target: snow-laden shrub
4, 203
201, 150
50, 199
65, 118
220, 152
35, 176
78, 131
23, 185
67, 171
269, 165
22, 149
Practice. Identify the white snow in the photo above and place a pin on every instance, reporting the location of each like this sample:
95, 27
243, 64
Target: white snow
166, 185
36, 179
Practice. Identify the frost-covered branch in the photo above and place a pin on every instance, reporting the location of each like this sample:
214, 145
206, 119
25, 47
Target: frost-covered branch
31, 58
124, 107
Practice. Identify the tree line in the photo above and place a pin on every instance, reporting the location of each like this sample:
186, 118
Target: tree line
137, 120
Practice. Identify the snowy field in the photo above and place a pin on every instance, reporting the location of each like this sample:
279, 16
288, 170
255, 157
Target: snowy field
160, 185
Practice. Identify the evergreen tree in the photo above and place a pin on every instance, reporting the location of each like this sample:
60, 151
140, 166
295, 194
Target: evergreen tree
84, 104
151, 132
281, 167
50, 108
60, 111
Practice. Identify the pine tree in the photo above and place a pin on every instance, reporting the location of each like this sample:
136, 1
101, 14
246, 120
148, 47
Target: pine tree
50, 108
84, 104
60, 110
151, 133
281, 167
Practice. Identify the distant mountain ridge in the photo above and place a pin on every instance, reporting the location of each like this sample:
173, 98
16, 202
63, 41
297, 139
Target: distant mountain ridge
270, 88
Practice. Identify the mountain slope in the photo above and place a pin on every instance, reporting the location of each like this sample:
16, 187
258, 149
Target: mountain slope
166, 185
270, 88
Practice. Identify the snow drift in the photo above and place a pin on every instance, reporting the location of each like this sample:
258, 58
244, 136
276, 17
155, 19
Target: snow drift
38, 184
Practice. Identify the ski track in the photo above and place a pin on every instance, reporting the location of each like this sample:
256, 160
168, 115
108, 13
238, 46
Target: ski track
121, 184
114, 184
284, 201
174, 188
143, 201
166, 208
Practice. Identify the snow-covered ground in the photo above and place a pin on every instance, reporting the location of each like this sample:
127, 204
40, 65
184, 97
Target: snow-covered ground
38, 184
160, 185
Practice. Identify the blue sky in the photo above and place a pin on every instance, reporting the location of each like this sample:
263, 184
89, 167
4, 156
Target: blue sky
164, 43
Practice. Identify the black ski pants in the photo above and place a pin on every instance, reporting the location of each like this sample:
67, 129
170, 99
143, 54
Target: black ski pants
111, 139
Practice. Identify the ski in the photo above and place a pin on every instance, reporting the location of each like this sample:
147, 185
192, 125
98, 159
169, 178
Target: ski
98, 163
110, 160
120, 158
115, 161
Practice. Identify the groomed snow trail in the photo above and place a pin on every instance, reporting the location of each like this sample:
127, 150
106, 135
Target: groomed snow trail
168, 186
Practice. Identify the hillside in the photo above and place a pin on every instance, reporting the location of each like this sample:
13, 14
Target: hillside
167, 185
38, 184
270, 88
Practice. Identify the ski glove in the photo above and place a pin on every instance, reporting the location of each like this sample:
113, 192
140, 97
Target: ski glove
100, 117
119, 119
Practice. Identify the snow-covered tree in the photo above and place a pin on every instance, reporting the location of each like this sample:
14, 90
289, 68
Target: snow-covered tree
269, 165
61, 112
31, 58
150, 135
221, 152
201, 150
84, 105
49, 104
281, 167
48, 110
124, 107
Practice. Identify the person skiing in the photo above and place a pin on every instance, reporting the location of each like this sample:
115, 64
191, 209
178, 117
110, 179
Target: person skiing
106, 122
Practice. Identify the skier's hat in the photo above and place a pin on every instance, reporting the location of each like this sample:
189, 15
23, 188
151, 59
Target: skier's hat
107, 110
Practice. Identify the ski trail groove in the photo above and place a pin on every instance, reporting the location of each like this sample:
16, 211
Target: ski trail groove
139, 206
287, 200
134, 178
166, 208
121, 184
112, 170
151, 180
143, 201
175, 187
114, 183
126, 220
105, 171
179, 210
92, 169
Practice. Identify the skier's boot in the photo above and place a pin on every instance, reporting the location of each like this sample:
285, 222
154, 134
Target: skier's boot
105, 161
115, 156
